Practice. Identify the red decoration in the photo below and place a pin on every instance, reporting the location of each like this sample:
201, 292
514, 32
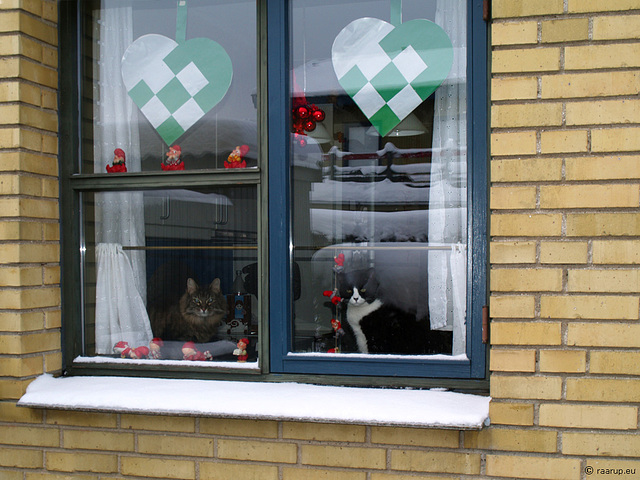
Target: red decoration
333, 296
304, 116
190, 352
236, 159
119, 165
173, 162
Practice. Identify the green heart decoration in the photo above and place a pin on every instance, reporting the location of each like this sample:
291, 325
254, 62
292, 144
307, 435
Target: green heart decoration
390, 70
175, 84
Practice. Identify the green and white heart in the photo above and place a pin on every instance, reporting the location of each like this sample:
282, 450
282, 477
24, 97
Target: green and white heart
175, 84
389, 71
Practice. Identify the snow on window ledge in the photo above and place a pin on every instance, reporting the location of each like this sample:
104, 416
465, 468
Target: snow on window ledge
260, 401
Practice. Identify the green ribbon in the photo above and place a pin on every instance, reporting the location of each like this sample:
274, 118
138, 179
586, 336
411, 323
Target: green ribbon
181, 21
396, 13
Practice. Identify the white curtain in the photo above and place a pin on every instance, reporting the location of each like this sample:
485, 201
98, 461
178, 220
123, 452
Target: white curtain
448, 191
119, 215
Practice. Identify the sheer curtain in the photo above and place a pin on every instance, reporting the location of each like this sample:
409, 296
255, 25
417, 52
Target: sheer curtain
121, 281
448, 192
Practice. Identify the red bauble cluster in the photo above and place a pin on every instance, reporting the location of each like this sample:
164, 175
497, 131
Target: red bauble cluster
305, 118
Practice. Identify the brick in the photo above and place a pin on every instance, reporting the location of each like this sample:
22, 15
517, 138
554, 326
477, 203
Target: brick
615, 139
526, 60
525, 280
519, 466
20, 458
513, 143
614, 445
526, 115
563, 141
616, 27
512, 252
324, 432
53, 319
10, 412
618, 280
514, 88
29, 253
53, 362
290, 473
20, 230
563, 252
526, 333
589, 84
604, 335
512, 306
152, 422
615, 363
603, 112
441, 462
415, 437
502, 413
240, 428
512, 440
526, 225
13, 389
21, 321
600, 307
603, 224
526, 170
563, 361
81, 462
603, 390
259, 451
513, 360
584, 6
235, 471
565, 30
98, 440
30, 343
524, 8
22, 367
152, 467
28, 162
175, 445
588, 416
353, 457
616, 251
81, 419
31, 298
526, 387
20, 276
514, 33
603, 168
29, 436
589, 196
590, 57
513, 198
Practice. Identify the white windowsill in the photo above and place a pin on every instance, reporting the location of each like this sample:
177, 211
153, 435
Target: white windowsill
260, 401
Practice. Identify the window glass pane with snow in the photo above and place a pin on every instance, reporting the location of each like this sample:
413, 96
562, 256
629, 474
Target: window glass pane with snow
168, 74
379, 177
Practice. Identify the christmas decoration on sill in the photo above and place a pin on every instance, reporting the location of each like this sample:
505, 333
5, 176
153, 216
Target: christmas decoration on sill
119, 165
173, 162
241, 351
236, 157
304, 116
190, 352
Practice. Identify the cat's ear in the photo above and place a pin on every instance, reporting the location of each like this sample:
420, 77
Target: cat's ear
192, 286
215, 286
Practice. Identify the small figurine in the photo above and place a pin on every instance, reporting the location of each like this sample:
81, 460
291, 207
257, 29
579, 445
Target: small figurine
338, 263
337, 327
235, 159
190, 352
333, 296
122, 348
140, 352
155, 345
241, 351
173, 162
118, 162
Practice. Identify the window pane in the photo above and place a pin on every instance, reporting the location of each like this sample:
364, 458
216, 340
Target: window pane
180, 265
379, 194
165, 73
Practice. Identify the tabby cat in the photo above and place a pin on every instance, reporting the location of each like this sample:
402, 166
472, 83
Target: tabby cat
195, 317
381, 327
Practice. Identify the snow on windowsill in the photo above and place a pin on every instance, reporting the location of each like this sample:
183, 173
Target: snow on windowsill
260, 401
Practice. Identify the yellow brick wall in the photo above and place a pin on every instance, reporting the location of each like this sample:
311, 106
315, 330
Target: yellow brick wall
565, 287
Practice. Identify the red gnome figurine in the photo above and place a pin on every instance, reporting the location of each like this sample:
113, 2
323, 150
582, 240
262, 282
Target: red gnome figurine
173, 162
118, 162
190, 352
236, 159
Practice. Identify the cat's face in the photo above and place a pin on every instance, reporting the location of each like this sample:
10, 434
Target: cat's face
205, 301
359, 287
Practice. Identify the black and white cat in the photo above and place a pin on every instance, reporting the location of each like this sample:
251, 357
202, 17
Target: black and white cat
381, 327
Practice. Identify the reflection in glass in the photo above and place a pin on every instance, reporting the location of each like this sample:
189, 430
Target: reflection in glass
379, 222
176, 266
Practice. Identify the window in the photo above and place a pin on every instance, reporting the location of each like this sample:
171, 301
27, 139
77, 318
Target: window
279, 188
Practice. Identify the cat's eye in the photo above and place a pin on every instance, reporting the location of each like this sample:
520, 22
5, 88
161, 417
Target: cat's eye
363, 290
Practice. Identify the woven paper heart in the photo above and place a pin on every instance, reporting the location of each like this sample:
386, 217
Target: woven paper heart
389, 71
175, 84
